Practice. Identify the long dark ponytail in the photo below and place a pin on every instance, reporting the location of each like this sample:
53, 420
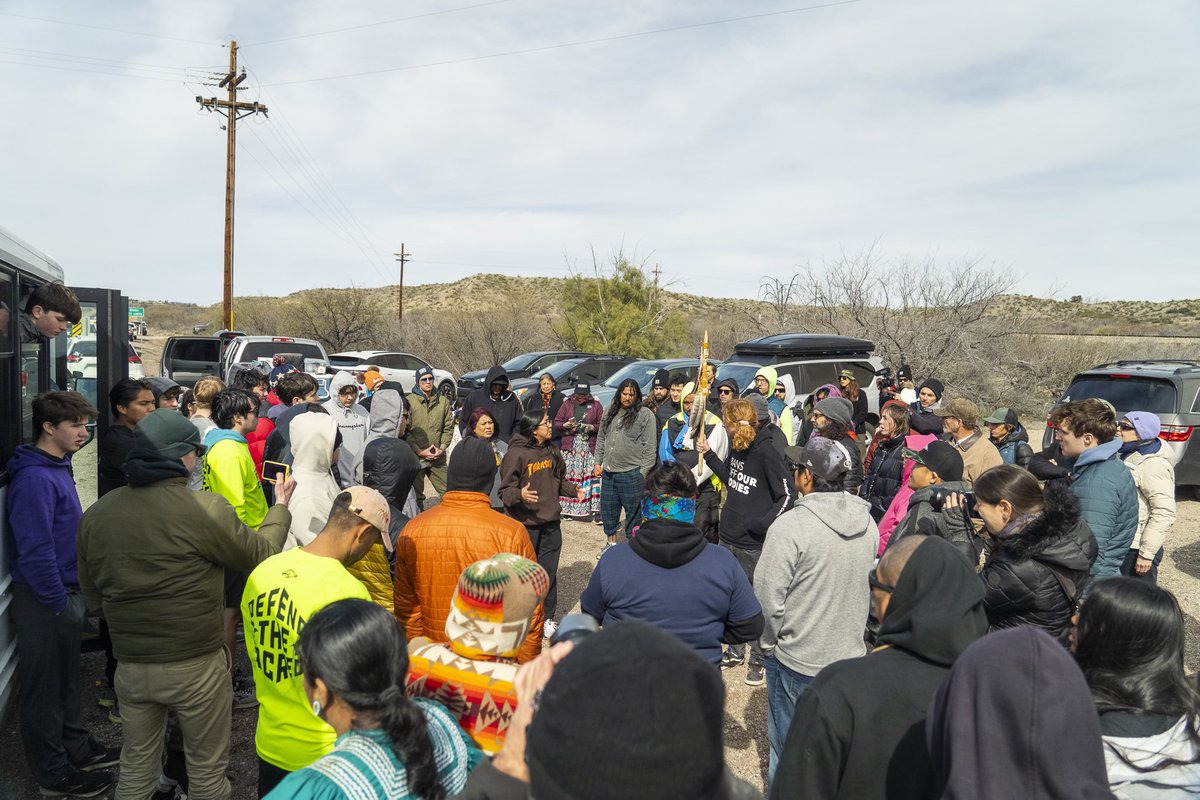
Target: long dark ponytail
358, 650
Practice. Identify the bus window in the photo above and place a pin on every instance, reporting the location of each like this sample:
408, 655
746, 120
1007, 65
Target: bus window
10, 432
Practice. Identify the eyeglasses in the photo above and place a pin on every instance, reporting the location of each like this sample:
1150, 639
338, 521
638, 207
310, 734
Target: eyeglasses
725, 391
875, 583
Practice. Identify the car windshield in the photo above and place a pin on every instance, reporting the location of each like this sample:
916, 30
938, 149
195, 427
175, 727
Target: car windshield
1126, 394
559, 368
740, 372
640, 371
520, 362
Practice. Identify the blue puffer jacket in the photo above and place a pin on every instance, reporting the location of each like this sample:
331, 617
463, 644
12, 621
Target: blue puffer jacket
1109, 503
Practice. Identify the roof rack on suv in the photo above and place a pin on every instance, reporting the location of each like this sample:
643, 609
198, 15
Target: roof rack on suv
1149, 362
806, 344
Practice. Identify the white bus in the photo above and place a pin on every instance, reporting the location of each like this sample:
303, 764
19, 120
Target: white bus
27, 369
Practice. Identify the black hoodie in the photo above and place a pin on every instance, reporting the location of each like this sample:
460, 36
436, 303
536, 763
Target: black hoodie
505, 408
390, 466
858, 730
759, 486
1015, 719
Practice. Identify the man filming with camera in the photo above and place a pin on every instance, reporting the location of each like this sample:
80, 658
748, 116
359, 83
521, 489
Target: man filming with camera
941, 501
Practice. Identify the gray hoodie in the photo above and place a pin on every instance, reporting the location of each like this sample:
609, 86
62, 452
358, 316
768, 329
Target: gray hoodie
812, 581
352, 422
387, 407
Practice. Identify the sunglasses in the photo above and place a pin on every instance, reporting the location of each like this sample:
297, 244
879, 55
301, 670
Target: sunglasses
1125, 426
725, 391
875, 583
781, 391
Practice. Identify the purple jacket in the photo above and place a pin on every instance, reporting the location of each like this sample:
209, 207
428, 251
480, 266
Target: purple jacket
591, 417
43, 516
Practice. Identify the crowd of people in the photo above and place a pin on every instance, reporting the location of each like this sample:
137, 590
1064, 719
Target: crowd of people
935, 609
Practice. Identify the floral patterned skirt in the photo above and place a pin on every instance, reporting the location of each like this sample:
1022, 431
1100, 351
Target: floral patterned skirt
581, 464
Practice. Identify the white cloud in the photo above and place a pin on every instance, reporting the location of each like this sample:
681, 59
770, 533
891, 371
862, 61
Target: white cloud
1054, 139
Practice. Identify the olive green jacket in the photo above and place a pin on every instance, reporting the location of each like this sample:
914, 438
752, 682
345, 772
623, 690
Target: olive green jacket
430, 421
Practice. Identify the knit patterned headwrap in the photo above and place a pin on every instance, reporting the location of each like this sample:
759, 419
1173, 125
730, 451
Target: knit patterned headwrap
669, 507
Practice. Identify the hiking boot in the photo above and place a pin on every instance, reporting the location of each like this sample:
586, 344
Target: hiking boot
79, 784
100, 757
754, 675
106, 698
114, 714
730, 659
549, 629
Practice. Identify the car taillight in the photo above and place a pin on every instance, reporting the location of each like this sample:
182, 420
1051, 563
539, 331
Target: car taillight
74, 357
1175, 433
134, 359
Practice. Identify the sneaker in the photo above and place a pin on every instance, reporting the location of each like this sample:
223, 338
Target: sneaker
549, 629
754, 675
79, 784
596, 519
99, 758
168, 790
605, 549
243, 696
106, 698
114, 714
730, 659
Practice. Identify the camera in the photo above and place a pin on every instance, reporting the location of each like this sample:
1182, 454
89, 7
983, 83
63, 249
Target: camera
883, 381
575, 627
937, 499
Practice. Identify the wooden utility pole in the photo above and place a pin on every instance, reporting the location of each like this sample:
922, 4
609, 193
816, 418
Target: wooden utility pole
402, 257
230, 108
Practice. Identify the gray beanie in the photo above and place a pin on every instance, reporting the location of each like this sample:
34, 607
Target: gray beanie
838, 409
760, 407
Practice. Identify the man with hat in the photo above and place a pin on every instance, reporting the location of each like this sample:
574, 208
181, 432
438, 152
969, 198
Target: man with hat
809, 581
937, 472
833, 419
151, 560
438, 544
430, 431
960, 419
1009, 436
281, 593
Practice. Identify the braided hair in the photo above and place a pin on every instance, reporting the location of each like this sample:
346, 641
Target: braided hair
358, 650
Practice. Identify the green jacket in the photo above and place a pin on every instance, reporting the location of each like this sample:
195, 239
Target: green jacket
430, 421
152, 561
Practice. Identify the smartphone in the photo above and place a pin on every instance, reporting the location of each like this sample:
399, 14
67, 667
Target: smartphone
274, 469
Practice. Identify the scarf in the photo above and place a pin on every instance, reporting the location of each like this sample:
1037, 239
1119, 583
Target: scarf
1144, 446
1018, 524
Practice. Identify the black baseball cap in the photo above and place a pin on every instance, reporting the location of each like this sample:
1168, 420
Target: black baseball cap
583, 388
940, 458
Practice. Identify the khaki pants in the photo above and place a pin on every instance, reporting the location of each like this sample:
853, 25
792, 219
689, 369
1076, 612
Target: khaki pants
199, 691
435, 474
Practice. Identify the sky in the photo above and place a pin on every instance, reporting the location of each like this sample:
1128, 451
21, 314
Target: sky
1054, 141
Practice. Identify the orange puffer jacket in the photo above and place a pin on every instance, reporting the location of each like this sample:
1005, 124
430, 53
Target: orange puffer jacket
434, 549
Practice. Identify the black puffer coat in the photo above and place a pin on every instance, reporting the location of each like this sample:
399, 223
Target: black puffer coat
884, 477
1019, 579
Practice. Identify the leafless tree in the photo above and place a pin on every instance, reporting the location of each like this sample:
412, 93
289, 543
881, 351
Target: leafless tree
341, 319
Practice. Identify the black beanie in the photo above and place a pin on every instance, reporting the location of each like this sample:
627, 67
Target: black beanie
662, 378
935, 385
472, 467
631, 712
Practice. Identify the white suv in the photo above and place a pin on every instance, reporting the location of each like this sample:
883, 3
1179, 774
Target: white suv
399, 367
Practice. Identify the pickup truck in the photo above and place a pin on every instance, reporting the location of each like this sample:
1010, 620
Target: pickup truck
186, 359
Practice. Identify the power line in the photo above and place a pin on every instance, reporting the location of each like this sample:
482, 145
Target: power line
563, 45
110, 30
94, 71
69, 58
376, 24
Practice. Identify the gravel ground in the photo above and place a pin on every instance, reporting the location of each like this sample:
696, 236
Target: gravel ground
745, 717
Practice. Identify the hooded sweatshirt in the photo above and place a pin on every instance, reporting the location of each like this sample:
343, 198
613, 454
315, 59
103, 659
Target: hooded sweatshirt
351, 423
858, 730
760, 489
714, 397
387, 408
809, 581
43, 514
505, 408
669, 576
1015, 719
313, 437
540, 467
229, 471
1144, 762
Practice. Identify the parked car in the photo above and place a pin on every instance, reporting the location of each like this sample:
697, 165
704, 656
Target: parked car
399, 367
136, 329
643, 373
811, 359
521, 366
240, 352
81, 358
1170, 389
187, 359
569, 371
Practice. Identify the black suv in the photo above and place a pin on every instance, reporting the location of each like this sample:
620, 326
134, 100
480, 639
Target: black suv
521, 366
569, 371
1170, 389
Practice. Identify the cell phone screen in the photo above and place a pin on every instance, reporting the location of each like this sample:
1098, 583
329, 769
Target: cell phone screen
274, 469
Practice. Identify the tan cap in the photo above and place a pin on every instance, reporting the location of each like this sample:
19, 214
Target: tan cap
372, 508
960, 408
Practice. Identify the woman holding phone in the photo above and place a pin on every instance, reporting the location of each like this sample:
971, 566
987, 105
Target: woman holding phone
533, 475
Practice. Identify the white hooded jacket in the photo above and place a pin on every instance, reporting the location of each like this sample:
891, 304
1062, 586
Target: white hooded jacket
313, 438
352, 422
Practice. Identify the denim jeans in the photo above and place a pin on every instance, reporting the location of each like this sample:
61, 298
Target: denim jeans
620, 490
1151, 575
784, 687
